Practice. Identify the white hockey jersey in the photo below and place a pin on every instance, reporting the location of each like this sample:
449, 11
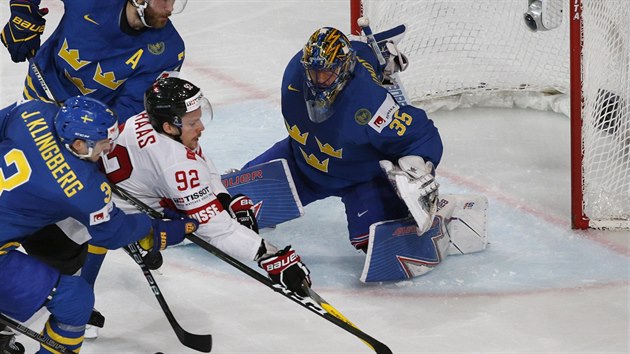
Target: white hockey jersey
161, 171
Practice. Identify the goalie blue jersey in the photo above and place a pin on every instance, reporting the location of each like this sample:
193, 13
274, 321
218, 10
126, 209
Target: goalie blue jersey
367, 126
89, 54
42, 183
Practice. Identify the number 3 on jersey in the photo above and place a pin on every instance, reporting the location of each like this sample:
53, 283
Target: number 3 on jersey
23, 170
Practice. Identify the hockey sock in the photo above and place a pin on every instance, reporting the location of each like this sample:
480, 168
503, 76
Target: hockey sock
93, 263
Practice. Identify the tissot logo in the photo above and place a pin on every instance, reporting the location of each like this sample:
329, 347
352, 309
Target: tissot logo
193, 196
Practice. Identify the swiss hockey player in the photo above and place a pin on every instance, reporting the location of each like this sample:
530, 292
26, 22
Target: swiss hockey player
158, 159
50, 175
348, 137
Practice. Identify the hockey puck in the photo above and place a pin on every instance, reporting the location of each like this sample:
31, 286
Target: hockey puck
159, 353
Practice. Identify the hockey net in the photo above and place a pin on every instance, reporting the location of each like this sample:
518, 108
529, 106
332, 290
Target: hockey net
480, 52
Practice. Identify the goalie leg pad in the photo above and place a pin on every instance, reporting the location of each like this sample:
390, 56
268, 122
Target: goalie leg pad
272, 189
467, 227
397, 252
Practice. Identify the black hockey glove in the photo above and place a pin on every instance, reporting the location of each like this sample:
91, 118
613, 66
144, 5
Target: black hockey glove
21, 34
242, 209
285, 268
153, 260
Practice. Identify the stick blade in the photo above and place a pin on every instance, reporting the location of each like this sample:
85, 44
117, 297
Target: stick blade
198, 342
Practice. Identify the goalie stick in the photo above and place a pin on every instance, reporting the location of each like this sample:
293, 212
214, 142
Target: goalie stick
34, 335
314, 303
199, 342
395, 88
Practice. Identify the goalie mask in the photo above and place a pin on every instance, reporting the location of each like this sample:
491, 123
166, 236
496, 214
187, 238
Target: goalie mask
328, 60
170, 98
86, 119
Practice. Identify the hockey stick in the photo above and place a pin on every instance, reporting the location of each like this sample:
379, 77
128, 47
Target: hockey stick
364, 23
202, 343
314, 303
49, 342
42, 82
319, 306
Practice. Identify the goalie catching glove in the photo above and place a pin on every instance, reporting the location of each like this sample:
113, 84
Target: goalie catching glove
285, 268
415, 184
21, 35
168, 232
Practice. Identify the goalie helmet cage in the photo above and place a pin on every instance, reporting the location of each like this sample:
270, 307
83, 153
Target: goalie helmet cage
480, 53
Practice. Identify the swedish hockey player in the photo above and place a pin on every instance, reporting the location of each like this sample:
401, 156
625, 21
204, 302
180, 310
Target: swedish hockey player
348, 137
50, 175
107, 50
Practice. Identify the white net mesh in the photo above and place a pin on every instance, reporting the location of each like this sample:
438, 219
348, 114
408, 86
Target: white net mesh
480, 52
472, 48
606, 128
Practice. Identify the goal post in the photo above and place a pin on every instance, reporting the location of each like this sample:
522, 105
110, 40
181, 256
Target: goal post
467, 53
579, 220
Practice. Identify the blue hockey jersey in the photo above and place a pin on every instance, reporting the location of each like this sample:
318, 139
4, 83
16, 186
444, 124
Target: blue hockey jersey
41, 183
89, 54
367, 126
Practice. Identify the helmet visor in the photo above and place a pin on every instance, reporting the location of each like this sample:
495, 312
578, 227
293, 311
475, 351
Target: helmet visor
194, 103
319, 109
199, 101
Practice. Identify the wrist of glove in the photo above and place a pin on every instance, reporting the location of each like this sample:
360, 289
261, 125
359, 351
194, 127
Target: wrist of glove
21, 35
415, 184
168, 232
395, 60
241, 208
286, 268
